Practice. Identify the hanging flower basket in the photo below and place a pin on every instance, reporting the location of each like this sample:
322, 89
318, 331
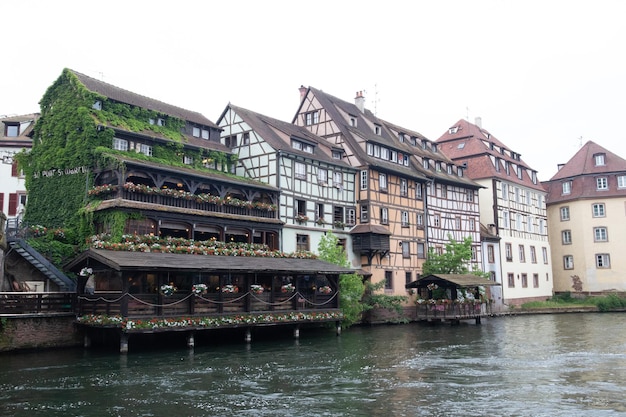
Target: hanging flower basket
198, 289
168, 289
287, 288
325, 290
256, 289
85, 272
230, 289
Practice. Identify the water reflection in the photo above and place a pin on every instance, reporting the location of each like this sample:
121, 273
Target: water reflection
559, 365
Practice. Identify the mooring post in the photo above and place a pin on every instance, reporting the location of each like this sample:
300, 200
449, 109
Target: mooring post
296, 332
124, 343
190, 340
338, 328
86, 341
248, 336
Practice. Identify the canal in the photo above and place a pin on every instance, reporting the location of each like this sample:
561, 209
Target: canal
541, 365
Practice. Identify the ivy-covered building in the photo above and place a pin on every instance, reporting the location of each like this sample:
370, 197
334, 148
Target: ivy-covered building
113, 171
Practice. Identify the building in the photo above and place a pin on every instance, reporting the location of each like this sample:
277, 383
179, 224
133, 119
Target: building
514, 202
15, 137
317, 187
586, 200
404, 187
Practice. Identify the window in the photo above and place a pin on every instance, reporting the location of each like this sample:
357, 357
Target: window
302, 242
382, 182
205, 134
506, 222
363, 180
508, 250
187, 160
377, 130
469, 195
311, 118
196, 132
418, 191
420, 220
518, 222
524, 280
599, 159
365, 213
490, 254
505, 192
388, 280
322, 176
544, 252
457, 223
408, 276
301, 146
474, 254
518, 194
533, 255
598, 210
436, 220
353, 121
472, 224
406, 249
603, 260
350, 216
15, 172
384, 215
425, 163
421, 253
13, 199
600, 234
230, 141
145, 149
566, 237
300, 206
405, 219
527, 198
535, 280
601, 183
338, 214
335, 154
564, 213
97, 105
11, 130
567, 187
319, 214
338, 179
568, 262
404, 188
511, 280
120, 144
542, 226
621, 181
522, 253
300, 170
529, 223
245, 139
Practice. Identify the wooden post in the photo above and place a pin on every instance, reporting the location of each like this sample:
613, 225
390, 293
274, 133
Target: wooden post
296, 332
123, 343
338, 328
248, 337
87, 341
190, 340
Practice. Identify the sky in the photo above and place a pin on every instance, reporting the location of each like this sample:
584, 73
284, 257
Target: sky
544, 76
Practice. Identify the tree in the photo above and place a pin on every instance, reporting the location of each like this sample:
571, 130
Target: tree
454, 260
351, 287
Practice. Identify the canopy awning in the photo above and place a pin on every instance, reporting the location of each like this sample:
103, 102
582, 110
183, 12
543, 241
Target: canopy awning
452, 280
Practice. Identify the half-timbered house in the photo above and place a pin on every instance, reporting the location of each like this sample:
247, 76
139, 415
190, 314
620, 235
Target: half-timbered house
317, 186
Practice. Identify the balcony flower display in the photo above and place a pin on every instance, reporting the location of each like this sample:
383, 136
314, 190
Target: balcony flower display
325, 289
103, 189
287, 288
168, 289
301, 218
256, 289
199, 289
432, 286
85, 272
231, 289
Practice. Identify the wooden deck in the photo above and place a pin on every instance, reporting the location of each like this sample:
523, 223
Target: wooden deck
453, 312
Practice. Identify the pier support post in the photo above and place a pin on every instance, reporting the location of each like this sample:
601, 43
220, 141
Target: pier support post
338, 328
296, 332
124, 343
248, 337
191, 340
86, 341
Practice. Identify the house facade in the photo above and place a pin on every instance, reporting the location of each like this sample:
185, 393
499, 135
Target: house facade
586, 200
317, 187
514, 202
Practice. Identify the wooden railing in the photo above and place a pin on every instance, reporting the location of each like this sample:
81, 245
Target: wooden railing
36, 302
453, 311
192, 204
157, 305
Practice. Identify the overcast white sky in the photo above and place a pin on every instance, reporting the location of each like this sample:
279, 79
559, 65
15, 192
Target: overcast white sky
541, 74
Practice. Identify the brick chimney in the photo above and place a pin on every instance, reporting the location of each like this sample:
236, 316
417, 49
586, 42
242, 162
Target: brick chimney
478, 121
359, 101
303, 91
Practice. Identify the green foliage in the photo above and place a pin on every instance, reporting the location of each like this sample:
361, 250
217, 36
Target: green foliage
351, 287
55, 247
375, 299
609, 302
454, 260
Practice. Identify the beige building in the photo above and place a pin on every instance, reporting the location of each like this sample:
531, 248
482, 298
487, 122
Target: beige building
586, 202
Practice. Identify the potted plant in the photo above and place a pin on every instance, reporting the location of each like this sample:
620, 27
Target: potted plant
168, 289
198, 289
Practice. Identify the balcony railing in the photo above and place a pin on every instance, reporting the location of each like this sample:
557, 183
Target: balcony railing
36, 302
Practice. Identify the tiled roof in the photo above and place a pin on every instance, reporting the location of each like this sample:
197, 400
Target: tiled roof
125, 96
468, 143
278, 135
583, 162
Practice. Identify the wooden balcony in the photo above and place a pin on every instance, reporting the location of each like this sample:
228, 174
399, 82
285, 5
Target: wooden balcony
22, 303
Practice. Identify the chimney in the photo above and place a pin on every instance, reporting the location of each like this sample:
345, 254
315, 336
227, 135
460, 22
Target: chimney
359, 101
478, 121
492, 229
303, 91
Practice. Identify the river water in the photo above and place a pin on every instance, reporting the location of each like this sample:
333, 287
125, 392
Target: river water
542, 365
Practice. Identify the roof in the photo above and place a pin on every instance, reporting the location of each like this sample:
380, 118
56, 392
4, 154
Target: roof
370, 228
278, 135
468, 143
125, 96
583, 162
125, 261
452, 280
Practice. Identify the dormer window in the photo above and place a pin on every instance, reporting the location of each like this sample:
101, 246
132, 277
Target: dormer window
11, 130
413, 140
301, 146
401, 137
353, 121
434, 147
426, 164
187, 160
378, 130
337, 154
424, 144
97, 105
160, 122
453, 130
449, 169
599, 159
196, 132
